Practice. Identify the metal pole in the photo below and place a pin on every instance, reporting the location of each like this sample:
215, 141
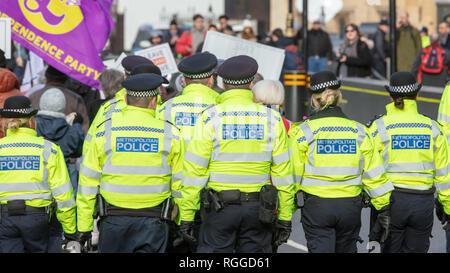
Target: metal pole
393, 35
305, 35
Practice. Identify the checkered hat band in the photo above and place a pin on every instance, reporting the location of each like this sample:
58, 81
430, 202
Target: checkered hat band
21, 111
404, 89
238, 82
199, 76
324, 85
148, 93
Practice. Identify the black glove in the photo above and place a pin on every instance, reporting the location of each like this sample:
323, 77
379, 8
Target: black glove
72, 237
441, 215
382, 223
84, 237
78, 119
282, 232
187, 231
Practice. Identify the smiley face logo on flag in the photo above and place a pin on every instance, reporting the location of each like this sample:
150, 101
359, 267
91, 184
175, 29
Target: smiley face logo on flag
52, 16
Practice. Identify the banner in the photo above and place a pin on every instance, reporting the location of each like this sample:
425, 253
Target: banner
161, 56
5, 36
270, 59
67, 34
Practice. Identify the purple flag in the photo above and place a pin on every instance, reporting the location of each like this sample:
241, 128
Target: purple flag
67, 34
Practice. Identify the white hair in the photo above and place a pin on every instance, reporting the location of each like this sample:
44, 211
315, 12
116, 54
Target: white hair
268, 92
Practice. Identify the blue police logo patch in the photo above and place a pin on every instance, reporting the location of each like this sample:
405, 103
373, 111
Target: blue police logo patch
243, 131
336, 146
408, 142
185, 118
20, 163
137, 144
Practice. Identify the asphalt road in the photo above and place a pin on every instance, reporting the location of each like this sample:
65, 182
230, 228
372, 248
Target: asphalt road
297, 243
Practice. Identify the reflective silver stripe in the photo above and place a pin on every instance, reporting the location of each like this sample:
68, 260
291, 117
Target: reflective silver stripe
384, 137
448, 138
177, 194
443, 117
215, 122
298, 179
281, 158
177, 176
412, 174
134, 189
385, 188
270, 134
167, 146
239, 179
361, 137
420, 188
201, 161
243, 157
46, 157
31, 196
435, 130
89, 172
88, 138
332, 170
442, 186
309, 139
374, 172
282, 181
66, 187
27, 186
85, 190
66, 204
194, 181
410, 167
139, 170
168, 110
443, 171
317, 182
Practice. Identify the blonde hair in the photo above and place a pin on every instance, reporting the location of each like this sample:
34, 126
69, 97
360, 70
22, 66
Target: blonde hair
268, 92
14, 123
329, 97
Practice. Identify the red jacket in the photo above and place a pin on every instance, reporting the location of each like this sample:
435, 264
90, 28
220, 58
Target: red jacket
9, 86
182, 44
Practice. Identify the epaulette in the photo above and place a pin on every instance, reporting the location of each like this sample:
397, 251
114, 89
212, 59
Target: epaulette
368, 124
173, 125
207, 108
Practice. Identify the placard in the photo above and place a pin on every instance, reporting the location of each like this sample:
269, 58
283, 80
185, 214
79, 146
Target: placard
5, 36
161, 56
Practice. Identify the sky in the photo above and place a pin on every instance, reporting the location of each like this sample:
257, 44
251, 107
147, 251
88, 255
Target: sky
331, 8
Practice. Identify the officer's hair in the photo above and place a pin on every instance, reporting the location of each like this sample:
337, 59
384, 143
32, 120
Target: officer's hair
199, 81
229, 87
398, 100
15, 123
329, 97
268, 92
111, 82
138, 101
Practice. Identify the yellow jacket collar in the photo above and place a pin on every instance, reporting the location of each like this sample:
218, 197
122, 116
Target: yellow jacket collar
200, 89
144, 110
237, 96
410, 107
21, 131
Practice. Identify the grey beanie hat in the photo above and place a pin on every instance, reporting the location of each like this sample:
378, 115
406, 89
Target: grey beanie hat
52, 103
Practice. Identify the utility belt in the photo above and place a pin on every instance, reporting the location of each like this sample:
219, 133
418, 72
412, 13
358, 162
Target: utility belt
163, 210
18, 208
301, 197
412, 191
267, 197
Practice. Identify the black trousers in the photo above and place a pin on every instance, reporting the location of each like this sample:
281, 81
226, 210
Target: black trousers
130, 234
236, 228
331, 225
411, 223
24, 234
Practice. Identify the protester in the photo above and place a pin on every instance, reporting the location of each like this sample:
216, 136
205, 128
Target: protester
381, 49
156, 37
443, 30
248, 34
200, 46
87, 92
75, 103
174, 35
354, 55
408, 43
40, 83
431, 64
228, 30
223, 22
291, 60
110, 81
320, 50
191, 39
9, 86
424, 37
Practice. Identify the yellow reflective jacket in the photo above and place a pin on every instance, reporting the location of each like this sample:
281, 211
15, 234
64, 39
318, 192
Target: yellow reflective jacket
237, 144
335, 157
34, 170
444, 111
414, 150
133, 161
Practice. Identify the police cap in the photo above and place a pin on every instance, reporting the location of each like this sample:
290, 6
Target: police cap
143, 85
198, 66
147, 68
17, 107
403, 84
129, 62
238, 70
323, 80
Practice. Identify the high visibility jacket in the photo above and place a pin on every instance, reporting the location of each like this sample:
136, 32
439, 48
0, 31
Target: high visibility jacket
113, 105
182, 111
425, 41
335, 157
237, 144
444, 111
414, 150
132, 161
34, 170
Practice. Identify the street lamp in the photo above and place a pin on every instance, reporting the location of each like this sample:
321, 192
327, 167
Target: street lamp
290, 22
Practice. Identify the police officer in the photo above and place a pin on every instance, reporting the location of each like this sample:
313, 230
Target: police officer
444, 119
33, 173
334, 159
415, 155
132, 163
237, 147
